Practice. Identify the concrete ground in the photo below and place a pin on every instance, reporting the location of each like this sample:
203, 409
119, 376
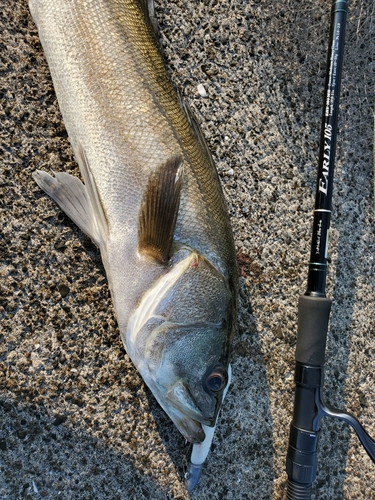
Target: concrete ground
76, 421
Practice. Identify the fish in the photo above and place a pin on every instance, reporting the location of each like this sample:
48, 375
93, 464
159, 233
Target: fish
150, 199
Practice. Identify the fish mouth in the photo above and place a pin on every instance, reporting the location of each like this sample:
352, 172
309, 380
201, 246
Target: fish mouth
191, 429
186, 414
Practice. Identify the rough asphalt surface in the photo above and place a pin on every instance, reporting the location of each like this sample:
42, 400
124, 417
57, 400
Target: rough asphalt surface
76, 421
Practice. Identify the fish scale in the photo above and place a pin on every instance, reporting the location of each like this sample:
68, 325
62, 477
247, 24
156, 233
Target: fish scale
151, 200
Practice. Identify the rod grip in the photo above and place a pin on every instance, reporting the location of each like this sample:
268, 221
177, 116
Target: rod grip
313, 318
297, 491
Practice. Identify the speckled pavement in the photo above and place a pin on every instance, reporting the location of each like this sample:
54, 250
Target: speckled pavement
76, 421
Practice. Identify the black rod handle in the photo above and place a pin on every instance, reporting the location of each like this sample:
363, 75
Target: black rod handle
313, 318
301, 461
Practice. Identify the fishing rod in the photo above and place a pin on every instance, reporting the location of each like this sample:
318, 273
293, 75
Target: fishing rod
314, 307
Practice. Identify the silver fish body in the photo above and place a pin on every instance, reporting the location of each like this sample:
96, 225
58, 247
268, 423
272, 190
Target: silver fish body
151, 200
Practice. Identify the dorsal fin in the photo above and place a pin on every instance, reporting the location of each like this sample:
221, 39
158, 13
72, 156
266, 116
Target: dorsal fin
148, 8
196, 128
159, 209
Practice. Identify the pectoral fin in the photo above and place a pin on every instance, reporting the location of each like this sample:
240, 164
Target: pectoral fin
79, 201
159, 209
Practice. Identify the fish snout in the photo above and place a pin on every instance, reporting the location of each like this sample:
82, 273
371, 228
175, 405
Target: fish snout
191, 430
188, 415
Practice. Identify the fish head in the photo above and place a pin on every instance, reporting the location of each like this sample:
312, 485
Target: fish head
179, 338
193, 377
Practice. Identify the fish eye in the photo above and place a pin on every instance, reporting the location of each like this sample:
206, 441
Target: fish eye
217, 379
